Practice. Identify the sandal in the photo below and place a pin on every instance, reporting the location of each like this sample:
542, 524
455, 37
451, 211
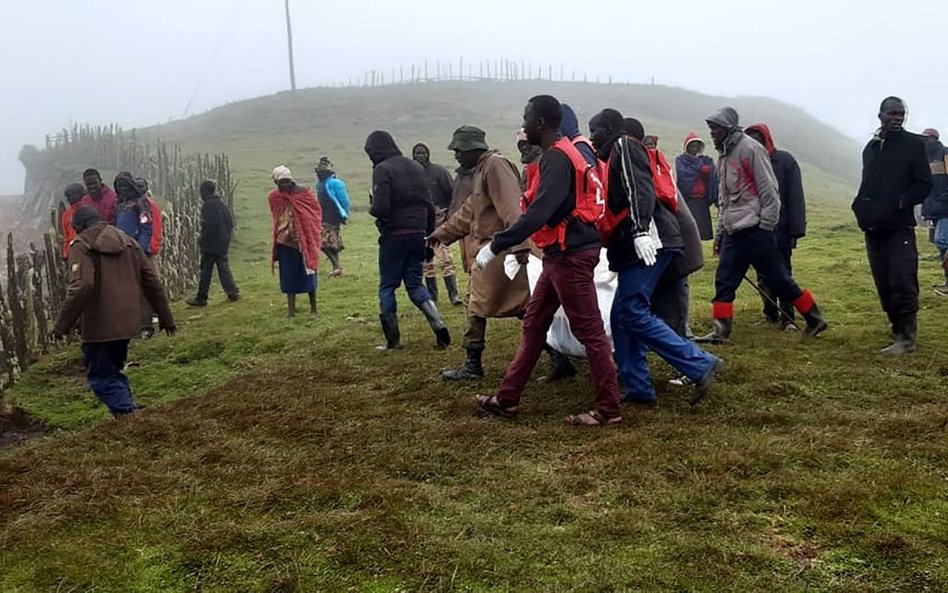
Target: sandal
592, 418
491, 405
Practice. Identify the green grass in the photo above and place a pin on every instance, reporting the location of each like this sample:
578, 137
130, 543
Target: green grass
280, 455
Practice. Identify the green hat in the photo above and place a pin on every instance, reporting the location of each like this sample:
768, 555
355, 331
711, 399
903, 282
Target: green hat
468, 138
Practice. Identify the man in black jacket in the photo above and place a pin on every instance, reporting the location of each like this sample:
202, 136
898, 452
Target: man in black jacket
791, 225
895, 177
441, 188
404, 215
217, 227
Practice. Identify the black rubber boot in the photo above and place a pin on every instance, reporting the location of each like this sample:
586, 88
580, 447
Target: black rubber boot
561, 366
442, 336
390, 331
432, 285
451, 283
469, 371
720, 332
815, 324
905, 328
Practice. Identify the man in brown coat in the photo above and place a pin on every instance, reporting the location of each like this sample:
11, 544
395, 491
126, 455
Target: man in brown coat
493, 205
108, 273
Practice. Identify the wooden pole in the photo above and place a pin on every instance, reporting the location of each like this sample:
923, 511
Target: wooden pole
289, 44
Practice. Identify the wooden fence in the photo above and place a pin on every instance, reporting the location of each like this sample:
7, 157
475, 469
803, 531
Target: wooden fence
35, 284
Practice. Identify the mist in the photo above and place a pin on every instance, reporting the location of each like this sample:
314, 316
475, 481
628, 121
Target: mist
141, 62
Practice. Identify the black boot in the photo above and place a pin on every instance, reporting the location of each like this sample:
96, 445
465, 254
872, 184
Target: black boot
470, 370
562, 366
720, 332
432, 285
442, 336
390, 330
905, 328
815, 324
451, 283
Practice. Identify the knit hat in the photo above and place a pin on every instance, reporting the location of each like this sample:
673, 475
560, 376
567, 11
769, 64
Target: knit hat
931, 132
324, 165
726, 117
468, 138
692, 137
84, 218
74, 192
282, 172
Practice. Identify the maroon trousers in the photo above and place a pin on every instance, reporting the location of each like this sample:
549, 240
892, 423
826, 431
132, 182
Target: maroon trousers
566, 280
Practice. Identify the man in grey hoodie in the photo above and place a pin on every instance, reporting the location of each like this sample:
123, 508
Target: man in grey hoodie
749, 211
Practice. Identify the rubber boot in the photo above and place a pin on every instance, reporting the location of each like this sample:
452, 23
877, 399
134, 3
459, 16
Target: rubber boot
561, 366
472, 368
905, 328
451, 283
390, 331
442, 336
703, 385
815, 323
720, 332
432, 285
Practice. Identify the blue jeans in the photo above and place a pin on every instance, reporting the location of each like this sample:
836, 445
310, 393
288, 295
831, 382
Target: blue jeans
105, 362
941, 236
635, 330
400, 260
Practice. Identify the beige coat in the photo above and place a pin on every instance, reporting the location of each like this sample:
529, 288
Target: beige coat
494, 205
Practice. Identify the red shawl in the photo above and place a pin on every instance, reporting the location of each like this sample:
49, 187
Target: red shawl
307, 221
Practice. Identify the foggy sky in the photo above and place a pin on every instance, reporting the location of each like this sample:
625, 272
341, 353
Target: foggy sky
140, 62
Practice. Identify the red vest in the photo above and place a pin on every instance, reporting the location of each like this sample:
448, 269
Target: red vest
590, 196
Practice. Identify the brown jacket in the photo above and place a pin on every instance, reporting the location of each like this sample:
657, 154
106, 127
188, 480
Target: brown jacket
107, 275
494, 204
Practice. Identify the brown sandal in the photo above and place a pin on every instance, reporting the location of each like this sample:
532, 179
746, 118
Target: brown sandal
592, 418
491, 405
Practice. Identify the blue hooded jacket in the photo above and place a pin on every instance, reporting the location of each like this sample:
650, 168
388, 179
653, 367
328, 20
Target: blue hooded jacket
569, 127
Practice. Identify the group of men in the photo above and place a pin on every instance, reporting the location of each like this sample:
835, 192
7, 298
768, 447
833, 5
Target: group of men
110, 238
615, 190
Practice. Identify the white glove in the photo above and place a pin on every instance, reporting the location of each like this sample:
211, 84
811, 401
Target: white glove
484, 257
511, 266
645, 249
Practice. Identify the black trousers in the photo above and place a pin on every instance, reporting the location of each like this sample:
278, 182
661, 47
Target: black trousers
893, 259
208, 261
670, 302
770, 310
752, 247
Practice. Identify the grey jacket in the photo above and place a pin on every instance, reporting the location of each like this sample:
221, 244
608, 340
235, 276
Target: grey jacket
749, 194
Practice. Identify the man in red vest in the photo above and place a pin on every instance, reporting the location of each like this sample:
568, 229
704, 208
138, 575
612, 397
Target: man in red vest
561, 220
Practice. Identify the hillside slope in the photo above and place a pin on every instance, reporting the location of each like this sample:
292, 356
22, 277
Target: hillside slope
297, 128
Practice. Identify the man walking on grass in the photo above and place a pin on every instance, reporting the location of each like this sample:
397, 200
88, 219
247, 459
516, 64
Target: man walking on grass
217, 227
561, 219
895, 178
441, 188
108, 274
935, 206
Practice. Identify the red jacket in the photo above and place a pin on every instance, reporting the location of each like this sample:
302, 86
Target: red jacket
69, 234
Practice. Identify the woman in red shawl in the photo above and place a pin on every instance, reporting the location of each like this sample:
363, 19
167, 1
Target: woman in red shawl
297, 228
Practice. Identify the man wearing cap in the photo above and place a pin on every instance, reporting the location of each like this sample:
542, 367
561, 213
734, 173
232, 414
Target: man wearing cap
493, 206
935, 206
697, 180
108, 275
749, 211
895, 178
441, 188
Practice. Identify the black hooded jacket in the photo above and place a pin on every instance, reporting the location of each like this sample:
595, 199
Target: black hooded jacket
440, 183
400, 200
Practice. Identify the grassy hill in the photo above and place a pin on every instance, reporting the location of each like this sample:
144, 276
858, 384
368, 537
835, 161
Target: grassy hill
280, 455
296, 128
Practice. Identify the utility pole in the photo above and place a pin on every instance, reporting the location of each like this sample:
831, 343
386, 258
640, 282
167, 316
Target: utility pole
289, 43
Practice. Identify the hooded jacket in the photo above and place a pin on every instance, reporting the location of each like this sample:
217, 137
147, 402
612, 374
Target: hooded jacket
217, 227
107, 275
895, 177
569, 127
400, 200
133, 213
792, 223
749, 195
439, 181
935, 206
